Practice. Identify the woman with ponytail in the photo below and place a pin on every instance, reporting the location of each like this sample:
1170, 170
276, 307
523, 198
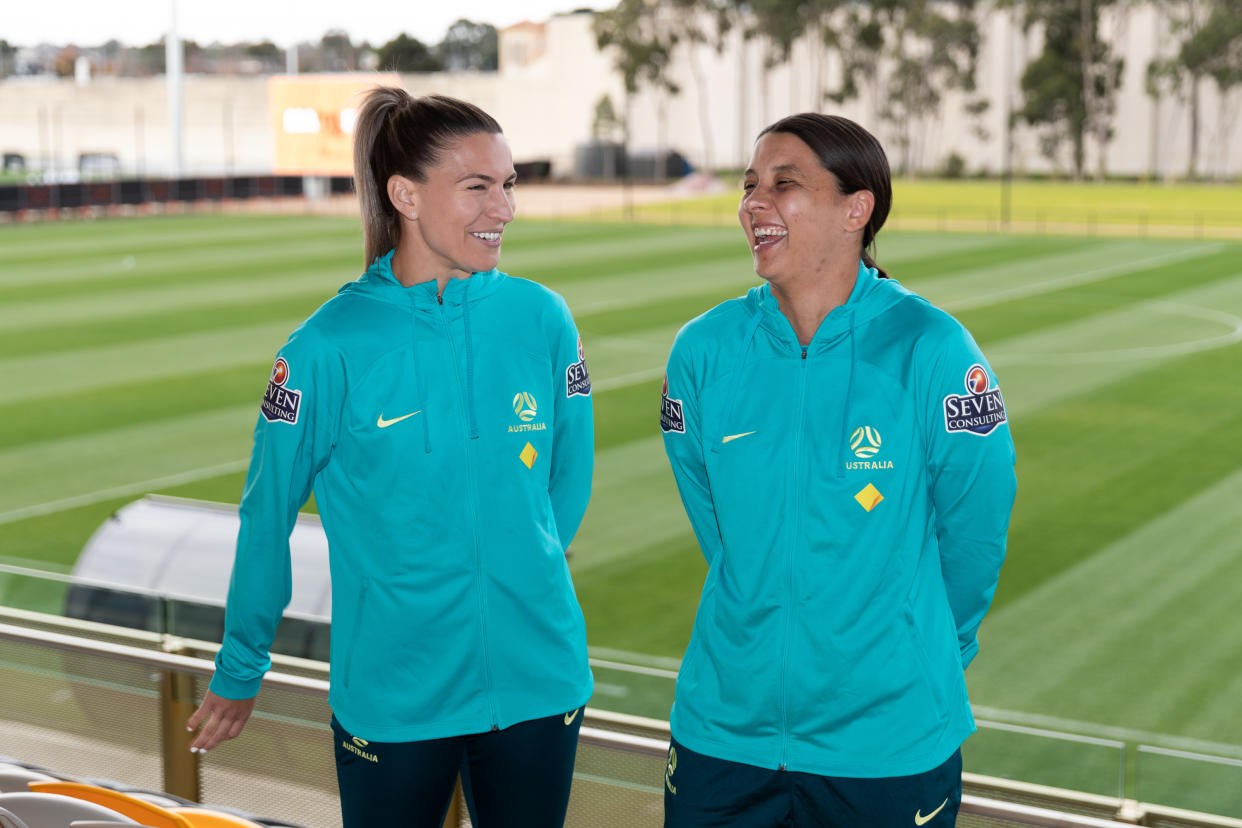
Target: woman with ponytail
842, 452
440, 411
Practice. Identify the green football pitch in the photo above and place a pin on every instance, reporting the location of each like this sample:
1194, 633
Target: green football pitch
133, 354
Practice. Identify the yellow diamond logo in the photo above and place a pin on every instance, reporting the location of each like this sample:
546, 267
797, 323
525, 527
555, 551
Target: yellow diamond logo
869, 497
528, 456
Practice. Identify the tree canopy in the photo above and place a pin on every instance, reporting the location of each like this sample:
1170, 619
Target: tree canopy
408, 54
470, 46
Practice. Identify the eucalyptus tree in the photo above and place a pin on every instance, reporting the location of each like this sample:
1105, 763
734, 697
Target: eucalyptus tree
1070, 89
1207, 44
1221, 42
408, 54
778, 24
642, 44
469, 46
697, 23
928, 47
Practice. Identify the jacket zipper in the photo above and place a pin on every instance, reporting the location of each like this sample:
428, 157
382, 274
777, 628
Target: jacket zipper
474, 529
790, 561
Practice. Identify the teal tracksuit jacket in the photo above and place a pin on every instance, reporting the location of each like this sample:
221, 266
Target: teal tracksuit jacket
449, 443
852, 500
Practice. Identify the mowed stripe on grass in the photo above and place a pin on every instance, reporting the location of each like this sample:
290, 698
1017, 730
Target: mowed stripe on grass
1107, 444
1138, 633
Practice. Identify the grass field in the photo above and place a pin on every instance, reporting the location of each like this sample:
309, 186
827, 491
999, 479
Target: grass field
1128, 209
133, 354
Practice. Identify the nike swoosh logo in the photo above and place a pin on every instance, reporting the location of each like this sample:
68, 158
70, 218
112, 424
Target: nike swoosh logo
569, 717
919, 819
733, 437
382, 423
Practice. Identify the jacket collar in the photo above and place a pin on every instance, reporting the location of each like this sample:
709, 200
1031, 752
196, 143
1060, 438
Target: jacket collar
870, 296
379, 282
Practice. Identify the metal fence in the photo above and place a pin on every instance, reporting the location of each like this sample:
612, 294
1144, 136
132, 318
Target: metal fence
97, 701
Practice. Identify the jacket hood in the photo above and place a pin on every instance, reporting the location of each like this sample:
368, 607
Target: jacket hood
871, 296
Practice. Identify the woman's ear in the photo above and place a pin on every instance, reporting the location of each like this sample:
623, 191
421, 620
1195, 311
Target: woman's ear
403, 193
861, 203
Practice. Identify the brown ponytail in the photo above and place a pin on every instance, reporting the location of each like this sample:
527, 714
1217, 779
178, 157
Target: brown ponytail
397, 134
869, 262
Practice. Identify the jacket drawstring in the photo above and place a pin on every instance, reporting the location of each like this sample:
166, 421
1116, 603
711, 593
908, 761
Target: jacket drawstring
737, 378
838, 471
418, 389
465, 315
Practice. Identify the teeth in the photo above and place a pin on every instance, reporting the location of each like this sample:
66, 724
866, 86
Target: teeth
487, 236
770, 231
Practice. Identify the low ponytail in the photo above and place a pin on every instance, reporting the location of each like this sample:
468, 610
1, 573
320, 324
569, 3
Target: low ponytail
398, 134
380, 223
870, 262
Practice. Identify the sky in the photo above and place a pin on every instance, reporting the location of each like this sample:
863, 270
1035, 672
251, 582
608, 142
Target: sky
138, 22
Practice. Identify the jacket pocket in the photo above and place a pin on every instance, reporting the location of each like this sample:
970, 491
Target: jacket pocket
352, 645
934, 686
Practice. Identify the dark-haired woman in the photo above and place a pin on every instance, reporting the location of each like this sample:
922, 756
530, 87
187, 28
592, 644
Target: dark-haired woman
440, 410
842, 452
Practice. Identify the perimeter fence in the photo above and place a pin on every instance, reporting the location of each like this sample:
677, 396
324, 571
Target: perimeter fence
1068, 219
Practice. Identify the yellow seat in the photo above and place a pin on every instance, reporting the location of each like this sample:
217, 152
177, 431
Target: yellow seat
207, 818
142, 812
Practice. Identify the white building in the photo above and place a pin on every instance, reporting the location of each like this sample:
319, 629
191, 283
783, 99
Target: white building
552, 76
1150, 137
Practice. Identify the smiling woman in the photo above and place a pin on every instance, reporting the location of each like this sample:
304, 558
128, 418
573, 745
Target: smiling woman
853, 537
441, 412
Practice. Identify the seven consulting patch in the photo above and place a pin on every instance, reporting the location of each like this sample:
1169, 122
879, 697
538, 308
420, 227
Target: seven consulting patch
577, 380
280, 404
978, 411
671, 417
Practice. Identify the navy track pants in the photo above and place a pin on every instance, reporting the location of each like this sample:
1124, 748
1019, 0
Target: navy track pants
705, 792
518, 777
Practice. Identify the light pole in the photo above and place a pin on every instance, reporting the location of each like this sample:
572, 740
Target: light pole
172, 70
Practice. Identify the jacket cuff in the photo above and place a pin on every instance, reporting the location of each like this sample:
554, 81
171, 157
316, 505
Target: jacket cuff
228, 687
968, 652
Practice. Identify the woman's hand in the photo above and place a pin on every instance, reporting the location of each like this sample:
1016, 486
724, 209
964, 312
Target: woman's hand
220, 719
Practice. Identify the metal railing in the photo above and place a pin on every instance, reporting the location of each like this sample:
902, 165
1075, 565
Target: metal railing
1189, 781
93, 700
1063, 760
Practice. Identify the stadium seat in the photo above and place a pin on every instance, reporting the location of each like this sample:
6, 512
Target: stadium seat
13, 763
14, 779
139, 810
46, 810
8, 819
208, 818
164, 800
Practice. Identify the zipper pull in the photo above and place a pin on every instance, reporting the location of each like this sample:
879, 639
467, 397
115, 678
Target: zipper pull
440, 299
804, 353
